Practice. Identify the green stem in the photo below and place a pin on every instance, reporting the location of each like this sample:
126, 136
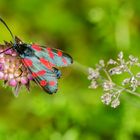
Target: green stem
80, 67
129, 91
108, 76
132, 92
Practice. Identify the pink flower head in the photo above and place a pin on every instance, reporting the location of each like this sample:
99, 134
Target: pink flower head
12, 71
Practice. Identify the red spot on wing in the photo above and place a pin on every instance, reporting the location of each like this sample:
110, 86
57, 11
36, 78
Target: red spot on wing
41, 72
64, 61
27, 62
51, 55
43, 83
34, 74
36, 47
48, 49
52, 83
52, 64
46, 63
59, 53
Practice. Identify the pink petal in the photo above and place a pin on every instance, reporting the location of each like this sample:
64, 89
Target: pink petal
1, 55
1, 66
1, 75
14, 54
2, 60
13, 82
8, 51
30, 77
11, 76
24, 80
6, 77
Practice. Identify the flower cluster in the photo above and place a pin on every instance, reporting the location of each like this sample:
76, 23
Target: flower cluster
12, 71
101, 76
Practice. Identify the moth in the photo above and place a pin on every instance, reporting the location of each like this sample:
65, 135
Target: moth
41, 62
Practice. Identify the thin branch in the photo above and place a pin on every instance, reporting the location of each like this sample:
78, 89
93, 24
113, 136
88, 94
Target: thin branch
107, 74
129, 91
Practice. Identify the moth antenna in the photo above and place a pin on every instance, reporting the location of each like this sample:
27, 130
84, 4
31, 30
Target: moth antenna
8, 29
9, 32
6, 50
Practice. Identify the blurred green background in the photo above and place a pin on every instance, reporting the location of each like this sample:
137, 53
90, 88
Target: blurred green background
89, 30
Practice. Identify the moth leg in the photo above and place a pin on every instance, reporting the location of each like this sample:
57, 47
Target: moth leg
19, 69
21, 72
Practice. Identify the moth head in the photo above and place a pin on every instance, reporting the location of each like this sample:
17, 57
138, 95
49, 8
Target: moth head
18, 41
18, 44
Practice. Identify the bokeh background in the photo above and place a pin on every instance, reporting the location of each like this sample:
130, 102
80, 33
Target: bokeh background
89, 30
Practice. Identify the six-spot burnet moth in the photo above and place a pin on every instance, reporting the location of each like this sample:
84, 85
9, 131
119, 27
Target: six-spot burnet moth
31, 62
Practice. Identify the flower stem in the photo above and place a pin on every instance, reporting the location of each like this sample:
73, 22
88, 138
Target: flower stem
132, 92
80, 67
107, 74
129, 91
